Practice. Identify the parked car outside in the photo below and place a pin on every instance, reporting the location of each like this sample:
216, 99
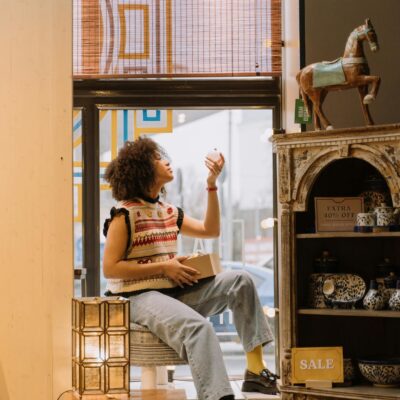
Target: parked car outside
263, 279
267, 263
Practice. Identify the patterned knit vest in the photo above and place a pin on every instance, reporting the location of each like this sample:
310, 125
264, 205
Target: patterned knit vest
152, 237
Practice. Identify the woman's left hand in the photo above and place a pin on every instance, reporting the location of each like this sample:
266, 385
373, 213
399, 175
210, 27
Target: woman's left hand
215, 168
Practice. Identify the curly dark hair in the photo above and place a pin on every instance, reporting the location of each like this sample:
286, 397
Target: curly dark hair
131, 174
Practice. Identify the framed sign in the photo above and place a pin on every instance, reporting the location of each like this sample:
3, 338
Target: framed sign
317, 363
337, 214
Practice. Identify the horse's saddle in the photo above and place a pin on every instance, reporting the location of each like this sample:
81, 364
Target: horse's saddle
327, 73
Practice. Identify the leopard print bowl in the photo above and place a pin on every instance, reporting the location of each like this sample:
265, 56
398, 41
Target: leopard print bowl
384, 373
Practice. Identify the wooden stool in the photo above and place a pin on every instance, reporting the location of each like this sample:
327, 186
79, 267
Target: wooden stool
153, 355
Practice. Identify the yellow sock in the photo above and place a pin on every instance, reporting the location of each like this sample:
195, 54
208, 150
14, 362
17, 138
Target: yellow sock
255, 362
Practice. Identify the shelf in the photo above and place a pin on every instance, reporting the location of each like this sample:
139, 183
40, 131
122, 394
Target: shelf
357, 392
349, 313
324, 235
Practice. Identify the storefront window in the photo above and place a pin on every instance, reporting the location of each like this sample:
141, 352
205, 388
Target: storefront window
245, 192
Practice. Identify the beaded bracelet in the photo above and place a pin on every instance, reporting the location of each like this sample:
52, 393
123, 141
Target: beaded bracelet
212, 189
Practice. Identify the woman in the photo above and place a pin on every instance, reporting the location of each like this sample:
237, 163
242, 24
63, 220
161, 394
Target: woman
141, 263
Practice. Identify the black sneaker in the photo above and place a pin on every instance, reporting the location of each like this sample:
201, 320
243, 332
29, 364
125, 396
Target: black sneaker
265, 382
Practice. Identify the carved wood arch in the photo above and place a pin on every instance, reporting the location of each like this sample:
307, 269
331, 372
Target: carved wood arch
308, 174
301, 158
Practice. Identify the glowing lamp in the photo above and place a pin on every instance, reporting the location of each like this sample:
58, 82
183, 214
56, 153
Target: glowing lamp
100, 346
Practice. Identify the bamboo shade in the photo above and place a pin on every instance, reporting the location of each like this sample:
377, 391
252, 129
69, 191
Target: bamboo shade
176, 38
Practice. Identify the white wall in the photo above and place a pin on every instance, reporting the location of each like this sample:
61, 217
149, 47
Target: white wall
36, 198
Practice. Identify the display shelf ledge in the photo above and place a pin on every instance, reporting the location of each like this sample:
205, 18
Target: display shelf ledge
349, 313
357, 392
323, 235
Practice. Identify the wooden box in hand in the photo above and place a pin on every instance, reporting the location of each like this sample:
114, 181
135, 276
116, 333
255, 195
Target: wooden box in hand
207, 264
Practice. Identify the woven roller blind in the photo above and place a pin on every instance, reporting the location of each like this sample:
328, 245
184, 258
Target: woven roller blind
176, 38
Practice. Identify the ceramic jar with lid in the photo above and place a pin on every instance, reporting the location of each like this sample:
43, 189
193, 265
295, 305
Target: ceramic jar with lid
366, 219
394, 301
365, 222
375, 192
385, 215
373, 300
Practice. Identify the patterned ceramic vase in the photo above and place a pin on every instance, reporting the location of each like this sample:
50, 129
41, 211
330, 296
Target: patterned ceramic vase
316, 298
366, 219
387, 294
349, 370
394, 301
389, 287
373, 300
349, 373
385, 215
375, 192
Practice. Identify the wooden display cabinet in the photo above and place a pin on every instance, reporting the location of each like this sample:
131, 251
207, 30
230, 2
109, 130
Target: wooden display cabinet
333, 163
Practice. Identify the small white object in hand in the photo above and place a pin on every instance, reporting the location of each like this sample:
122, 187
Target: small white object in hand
214, 155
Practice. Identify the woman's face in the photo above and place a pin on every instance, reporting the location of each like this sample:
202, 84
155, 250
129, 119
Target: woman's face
163, 170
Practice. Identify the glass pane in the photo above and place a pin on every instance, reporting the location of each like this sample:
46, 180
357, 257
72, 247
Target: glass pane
77, 182
116, 127
245, 193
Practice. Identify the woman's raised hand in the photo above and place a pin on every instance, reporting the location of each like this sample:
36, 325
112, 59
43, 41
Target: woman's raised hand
179, 273
215, 167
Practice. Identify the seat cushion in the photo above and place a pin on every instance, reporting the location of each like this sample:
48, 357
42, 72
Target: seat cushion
146, 349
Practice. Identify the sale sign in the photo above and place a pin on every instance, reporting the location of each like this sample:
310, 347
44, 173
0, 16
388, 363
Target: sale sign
317, 363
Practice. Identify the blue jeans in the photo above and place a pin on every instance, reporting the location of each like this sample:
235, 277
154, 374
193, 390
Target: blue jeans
178, 318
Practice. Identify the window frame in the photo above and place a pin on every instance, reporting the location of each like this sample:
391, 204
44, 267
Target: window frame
93, 95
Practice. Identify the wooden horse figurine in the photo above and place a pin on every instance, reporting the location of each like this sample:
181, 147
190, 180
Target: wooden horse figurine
349, 71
